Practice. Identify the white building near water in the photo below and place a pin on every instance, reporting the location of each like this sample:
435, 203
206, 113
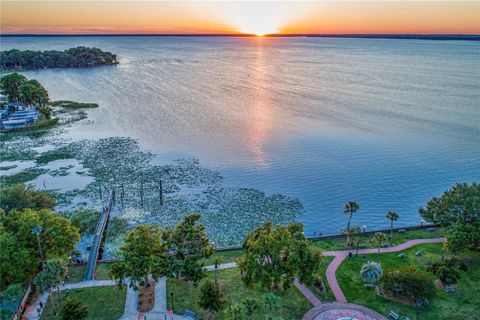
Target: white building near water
16, 115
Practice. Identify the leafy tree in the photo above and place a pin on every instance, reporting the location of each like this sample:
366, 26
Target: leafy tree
188, 245
32, 93
85, 220
144, 254
74, 57
10, 85
11, 294
460, 203
211, 296
57, 238
392, 216
74, 309
410, 281
379, 239
18, 263
21, 197
447, 270
350, 208
462, 236
275, 255
235, 312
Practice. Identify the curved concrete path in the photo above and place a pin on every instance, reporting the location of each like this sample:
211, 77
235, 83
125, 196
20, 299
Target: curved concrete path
341, 255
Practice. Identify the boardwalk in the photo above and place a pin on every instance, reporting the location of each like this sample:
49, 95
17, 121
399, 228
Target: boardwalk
99, 237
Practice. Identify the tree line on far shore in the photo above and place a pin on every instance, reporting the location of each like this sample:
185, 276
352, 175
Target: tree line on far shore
72, 58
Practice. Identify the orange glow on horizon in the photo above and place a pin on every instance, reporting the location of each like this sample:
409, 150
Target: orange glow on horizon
226, 17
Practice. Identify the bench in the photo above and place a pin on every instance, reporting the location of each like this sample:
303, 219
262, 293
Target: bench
369, 285
431, 229
449, 289
401, 256
392, 314
401, 230
189, 314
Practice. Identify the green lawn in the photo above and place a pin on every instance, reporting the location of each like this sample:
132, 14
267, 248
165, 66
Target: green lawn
328, 295
292, 304
77, 272
339, 243
102, 302
462, 304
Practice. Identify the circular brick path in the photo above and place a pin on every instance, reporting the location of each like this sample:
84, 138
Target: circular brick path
336, 311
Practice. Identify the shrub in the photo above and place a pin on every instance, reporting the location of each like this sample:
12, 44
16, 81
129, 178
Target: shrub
410, 281
74, 309
211, 296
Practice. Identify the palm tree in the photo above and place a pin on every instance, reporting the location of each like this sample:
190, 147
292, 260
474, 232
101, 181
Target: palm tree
52, 276
392, 216
217, 260
235, 312
350, 208
378, 239
371, 272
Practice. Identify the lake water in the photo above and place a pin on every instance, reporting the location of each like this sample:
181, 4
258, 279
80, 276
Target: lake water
387, 123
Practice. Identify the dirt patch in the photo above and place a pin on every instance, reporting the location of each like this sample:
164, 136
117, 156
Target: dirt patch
146, 297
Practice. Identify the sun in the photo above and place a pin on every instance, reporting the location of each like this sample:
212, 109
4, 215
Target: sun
258, 18
258, 28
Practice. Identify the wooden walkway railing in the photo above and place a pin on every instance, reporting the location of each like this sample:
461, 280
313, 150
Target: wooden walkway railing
99, 237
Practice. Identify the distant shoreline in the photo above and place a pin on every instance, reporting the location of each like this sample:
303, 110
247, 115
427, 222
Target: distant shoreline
462, 37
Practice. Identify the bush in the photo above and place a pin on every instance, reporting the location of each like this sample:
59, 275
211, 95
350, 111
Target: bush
250, 305
447, 270
235, 312
74, 309
211, 296
409, 281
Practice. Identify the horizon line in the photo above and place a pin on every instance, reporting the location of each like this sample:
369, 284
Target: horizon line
419, 36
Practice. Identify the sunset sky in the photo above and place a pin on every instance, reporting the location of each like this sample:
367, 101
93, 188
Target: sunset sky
323, 17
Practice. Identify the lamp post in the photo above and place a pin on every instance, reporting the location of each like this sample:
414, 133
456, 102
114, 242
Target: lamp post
36, 231
364, 229
421, 222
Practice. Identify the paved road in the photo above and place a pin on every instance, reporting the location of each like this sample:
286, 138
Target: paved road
341, 255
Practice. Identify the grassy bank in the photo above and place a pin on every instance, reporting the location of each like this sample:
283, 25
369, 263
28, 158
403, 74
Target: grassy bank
462, 304
398, 238
76, 273
292, 304
102, 302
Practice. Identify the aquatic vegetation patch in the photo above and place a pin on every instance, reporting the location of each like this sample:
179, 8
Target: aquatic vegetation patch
62, 171
23, 176
72, 104
4, 168
52, 155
